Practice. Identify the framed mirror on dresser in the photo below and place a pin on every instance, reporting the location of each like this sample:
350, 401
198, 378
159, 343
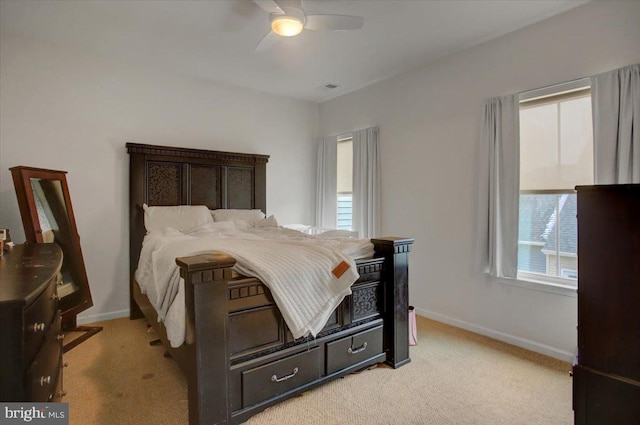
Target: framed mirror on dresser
47, 217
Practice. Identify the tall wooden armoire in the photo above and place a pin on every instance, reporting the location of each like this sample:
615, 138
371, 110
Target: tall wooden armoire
606, 388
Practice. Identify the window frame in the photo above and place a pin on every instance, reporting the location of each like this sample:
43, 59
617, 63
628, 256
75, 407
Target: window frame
344, 139
532, 280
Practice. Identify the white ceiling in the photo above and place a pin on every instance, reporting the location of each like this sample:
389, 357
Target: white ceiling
214, 40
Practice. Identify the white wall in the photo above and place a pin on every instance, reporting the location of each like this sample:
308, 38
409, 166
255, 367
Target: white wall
432, 179
67, 111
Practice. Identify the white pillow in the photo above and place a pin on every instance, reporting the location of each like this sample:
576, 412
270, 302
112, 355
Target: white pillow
250, 216
267, 222
182, 217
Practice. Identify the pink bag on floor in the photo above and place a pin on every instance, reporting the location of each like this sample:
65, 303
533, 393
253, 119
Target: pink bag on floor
413, 329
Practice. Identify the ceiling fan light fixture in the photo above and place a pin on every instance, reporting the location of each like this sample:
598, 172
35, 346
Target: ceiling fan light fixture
286, 26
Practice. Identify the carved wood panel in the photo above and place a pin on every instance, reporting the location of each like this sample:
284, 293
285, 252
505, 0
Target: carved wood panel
240, 188
164, 181
366, 301
205, 186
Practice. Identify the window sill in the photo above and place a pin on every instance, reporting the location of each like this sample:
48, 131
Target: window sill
542, 286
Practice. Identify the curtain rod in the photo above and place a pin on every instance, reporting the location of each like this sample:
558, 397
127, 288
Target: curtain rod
567, 85
348, 133
586, 80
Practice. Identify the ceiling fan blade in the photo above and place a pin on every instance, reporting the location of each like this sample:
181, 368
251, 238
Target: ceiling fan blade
333, 22
269, 40
269, 5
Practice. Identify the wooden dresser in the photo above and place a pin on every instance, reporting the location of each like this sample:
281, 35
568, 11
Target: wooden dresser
31, 347
606, 386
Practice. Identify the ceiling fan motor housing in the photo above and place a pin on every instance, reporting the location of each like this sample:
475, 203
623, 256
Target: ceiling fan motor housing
290, 12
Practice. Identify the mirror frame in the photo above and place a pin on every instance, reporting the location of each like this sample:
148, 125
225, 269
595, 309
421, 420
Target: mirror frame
79, 300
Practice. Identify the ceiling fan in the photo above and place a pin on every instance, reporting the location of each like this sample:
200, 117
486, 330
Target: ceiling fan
288, 19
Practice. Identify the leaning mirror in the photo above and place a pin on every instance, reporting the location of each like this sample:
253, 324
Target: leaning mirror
47, 217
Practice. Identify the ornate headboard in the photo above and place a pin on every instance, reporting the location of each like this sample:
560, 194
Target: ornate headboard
163, 175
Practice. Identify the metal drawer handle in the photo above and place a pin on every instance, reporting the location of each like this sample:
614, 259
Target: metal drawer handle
360, 349
60, 337
37, 327
45, 381
274, 378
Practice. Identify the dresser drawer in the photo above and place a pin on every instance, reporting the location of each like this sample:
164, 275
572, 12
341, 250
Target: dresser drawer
37, 319
353, 349
42, 376
264, 382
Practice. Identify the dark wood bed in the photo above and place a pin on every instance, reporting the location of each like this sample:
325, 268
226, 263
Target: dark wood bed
243, 359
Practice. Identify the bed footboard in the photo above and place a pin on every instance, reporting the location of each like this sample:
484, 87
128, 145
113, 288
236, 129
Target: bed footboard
216, 377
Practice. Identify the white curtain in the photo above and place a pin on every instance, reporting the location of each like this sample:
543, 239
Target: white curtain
326, 185
366, 182
615, 98
501, 134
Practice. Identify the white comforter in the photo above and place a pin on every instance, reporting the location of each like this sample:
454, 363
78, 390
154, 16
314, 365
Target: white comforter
296, 267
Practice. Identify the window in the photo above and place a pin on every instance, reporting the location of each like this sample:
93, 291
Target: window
556, 154
345, 183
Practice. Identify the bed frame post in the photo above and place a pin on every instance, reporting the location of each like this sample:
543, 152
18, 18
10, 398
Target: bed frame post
206, 294
395, 273
136, 225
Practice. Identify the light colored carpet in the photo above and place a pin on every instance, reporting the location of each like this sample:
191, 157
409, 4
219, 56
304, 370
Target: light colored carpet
455, 377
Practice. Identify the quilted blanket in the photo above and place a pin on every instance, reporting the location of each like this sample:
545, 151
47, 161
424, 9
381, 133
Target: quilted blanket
308, 277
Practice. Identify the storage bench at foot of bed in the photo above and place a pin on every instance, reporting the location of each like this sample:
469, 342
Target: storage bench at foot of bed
264, 381
353, 349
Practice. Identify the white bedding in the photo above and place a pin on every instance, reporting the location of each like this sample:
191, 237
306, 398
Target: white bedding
296, 267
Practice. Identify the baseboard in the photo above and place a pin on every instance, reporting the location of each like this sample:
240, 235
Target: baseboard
500, 336
491, 333
84, 320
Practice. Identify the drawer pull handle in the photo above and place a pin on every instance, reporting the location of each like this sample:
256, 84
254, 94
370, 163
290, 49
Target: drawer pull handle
45, 380
37, 327
62, 394
360, 349
274, 378
54, 297
60, 337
